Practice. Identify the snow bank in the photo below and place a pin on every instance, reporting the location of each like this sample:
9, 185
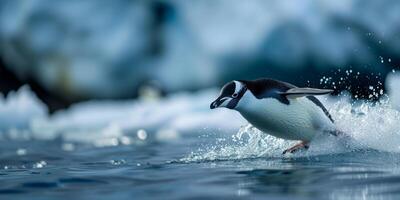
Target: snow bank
19, 109
104, 123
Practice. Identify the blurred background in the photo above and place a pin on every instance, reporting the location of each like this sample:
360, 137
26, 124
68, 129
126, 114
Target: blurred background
70, 51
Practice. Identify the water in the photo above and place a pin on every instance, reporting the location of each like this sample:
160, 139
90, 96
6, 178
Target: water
157, 171
197, 155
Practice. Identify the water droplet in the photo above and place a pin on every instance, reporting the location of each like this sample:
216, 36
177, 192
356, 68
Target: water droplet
118, 162
142, 134
40, 164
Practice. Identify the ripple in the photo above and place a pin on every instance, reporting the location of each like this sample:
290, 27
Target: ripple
11, 191
40, 184
80, 180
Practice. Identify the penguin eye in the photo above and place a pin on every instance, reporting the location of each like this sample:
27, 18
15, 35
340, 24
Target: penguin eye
234, 95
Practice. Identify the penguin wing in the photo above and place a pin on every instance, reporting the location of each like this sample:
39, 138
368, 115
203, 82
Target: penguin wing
302, 92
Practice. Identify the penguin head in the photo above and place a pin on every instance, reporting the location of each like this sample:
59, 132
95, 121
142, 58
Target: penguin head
230, 95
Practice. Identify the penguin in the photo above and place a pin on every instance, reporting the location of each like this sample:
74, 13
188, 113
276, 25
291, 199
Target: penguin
279, 109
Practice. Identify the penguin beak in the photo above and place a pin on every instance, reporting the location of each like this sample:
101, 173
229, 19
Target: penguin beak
217, 103
214, 104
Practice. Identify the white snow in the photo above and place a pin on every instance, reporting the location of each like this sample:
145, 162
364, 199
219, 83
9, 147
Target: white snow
105, 123
19, 109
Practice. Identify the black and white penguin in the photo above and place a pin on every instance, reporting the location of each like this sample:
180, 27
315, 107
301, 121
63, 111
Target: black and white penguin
279, 108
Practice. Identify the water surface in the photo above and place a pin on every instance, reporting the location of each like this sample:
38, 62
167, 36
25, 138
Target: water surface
166, 170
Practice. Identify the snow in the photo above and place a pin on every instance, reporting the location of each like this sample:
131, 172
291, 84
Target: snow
106, 123
19, 109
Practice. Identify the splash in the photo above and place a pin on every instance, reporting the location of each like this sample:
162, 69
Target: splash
248, 142
368, 126
371, 125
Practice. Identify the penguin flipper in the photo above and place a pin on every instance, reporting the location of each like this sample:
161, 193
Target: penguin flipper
302, 92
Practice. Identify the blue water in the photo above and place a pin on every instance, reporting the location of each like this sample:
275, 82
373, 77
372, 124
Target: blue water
155, 170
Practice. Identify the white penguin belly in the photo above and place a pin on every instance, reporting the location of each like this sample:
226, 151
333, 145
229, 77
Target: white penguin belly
300, 120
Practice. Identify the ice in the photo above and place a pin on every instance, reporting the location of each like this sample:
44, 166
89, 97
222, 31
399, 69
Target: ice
19, 109
108, 123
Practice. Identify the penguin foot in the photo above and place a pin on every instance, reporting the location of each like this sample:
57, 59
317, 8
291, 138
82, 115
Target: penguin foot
301, 145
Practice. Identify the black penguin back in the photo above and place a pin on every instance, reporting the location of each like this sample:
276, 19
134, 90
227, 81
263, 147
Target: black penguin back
270, 88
